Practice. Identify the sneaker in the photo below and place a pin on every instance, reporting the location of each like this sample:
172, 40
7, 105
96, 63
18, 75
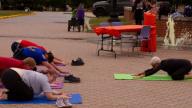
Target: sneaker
67, 103
71, 79
81, 60
77, 62
60, 103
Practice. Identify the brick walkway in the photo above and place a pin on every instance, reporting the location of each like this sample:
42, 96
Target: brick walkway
98, 88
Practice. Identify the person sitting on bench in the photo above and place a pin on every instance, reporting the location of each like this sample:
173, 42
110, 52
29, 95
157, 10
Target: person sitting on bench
178, 69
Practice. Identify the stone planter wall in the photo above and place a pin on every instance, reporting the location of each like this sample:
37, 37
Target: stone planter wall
182, 25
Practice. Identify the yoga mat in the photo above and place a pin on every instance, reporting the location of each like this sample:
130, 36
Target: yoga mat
123, 77
76, 99
158, 78
57, 85
60, 64
150, 78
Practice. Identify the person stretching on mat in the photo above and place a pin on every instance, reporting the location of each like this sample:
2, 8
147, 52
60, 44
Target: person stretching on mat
23, 85
18, 44
178, 69
8, 62
46, 59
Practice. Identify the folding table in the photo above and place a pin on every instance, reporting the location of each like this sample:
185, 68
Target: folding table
115, 32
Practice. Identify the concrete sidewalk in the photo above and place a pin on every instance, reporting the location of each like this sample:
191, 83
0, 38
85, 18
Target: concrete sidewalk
98, 87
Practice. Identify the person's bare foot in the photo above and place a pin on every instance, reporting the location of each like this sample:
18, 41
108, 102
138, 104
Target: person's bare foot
3, 95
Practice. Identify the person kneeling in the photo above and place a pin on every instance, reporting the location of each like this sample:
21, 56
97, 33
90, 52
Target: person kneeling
23, 85
178, 69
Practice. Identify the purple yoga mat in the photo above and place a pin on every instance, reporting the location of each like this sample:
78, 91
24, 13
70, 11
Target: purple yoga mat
57, 85
60, 64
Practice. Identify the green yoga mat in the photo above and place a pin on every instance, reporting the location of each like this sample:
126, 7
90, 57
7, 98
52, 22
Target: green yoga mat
150, 78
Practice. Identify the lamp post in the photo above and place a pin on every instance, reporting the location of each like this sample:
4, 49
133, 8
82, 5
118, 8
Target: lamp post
114, 14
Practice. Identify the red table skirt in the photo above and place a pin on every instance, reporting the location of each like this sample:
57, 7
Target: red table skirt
146, 46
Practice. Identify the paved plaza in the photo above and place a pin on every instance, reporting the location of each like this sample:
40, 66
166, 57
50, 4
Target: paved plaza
98, 88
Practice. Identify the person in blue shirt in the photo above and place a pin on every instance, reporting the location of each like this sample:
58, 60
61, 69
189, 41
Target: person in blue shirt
44, 58
38, 54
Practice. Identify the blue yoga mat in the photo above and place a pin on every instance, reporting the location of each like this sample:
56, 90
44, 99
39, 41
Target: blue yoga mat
75, 99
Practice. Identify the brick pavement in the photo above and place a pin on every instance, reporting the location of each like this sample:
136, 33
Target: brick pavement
98, 88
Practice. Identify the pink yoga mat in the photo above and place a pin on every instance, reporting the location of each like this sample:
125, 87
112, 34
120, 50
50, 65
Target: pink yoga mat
57, 85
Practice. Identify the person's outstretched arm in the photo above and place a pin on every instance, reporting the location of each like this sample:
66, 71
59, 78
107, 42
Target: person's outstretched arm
59, 61
52, 96
47, 90
147, 72
58, 69
51, 67
139, 75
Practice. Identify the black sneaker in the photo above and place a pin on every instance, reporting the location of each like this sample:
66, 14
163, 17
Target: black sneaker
80, 60
71, 79
77, 62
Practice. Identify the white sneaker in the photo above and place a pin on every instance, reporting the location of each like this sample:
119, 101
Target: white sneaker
63, 103
60, 103
67, 103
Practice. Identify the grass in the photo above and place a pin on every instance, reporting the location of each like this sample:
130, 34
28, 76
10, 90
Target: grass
96, 21
10, 12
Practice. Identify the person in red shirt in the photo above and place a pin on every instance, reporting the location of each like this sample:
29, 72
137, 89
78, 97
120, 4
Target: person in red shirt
7, 62
16, 45
25, 43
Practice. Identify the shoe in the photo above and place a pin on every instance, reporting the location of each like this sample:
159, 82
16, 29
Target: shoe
63, 103
77, 62
67, 103
60, 103
71, 79
80, 60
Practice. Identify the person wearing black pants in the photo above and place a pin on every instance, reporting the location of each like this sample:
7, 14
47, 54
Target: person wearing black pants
178, 69
138, 9
17, 89
24, 84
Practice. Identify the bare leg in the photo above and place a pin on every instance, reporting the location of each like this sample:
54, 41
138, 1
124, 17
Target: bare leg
83, 27
3, 95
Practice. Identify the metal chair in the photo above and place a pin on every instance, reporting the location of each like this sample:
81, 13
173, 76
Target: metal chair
109, 39
103, 24
124, 38
143, 36
116, 23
